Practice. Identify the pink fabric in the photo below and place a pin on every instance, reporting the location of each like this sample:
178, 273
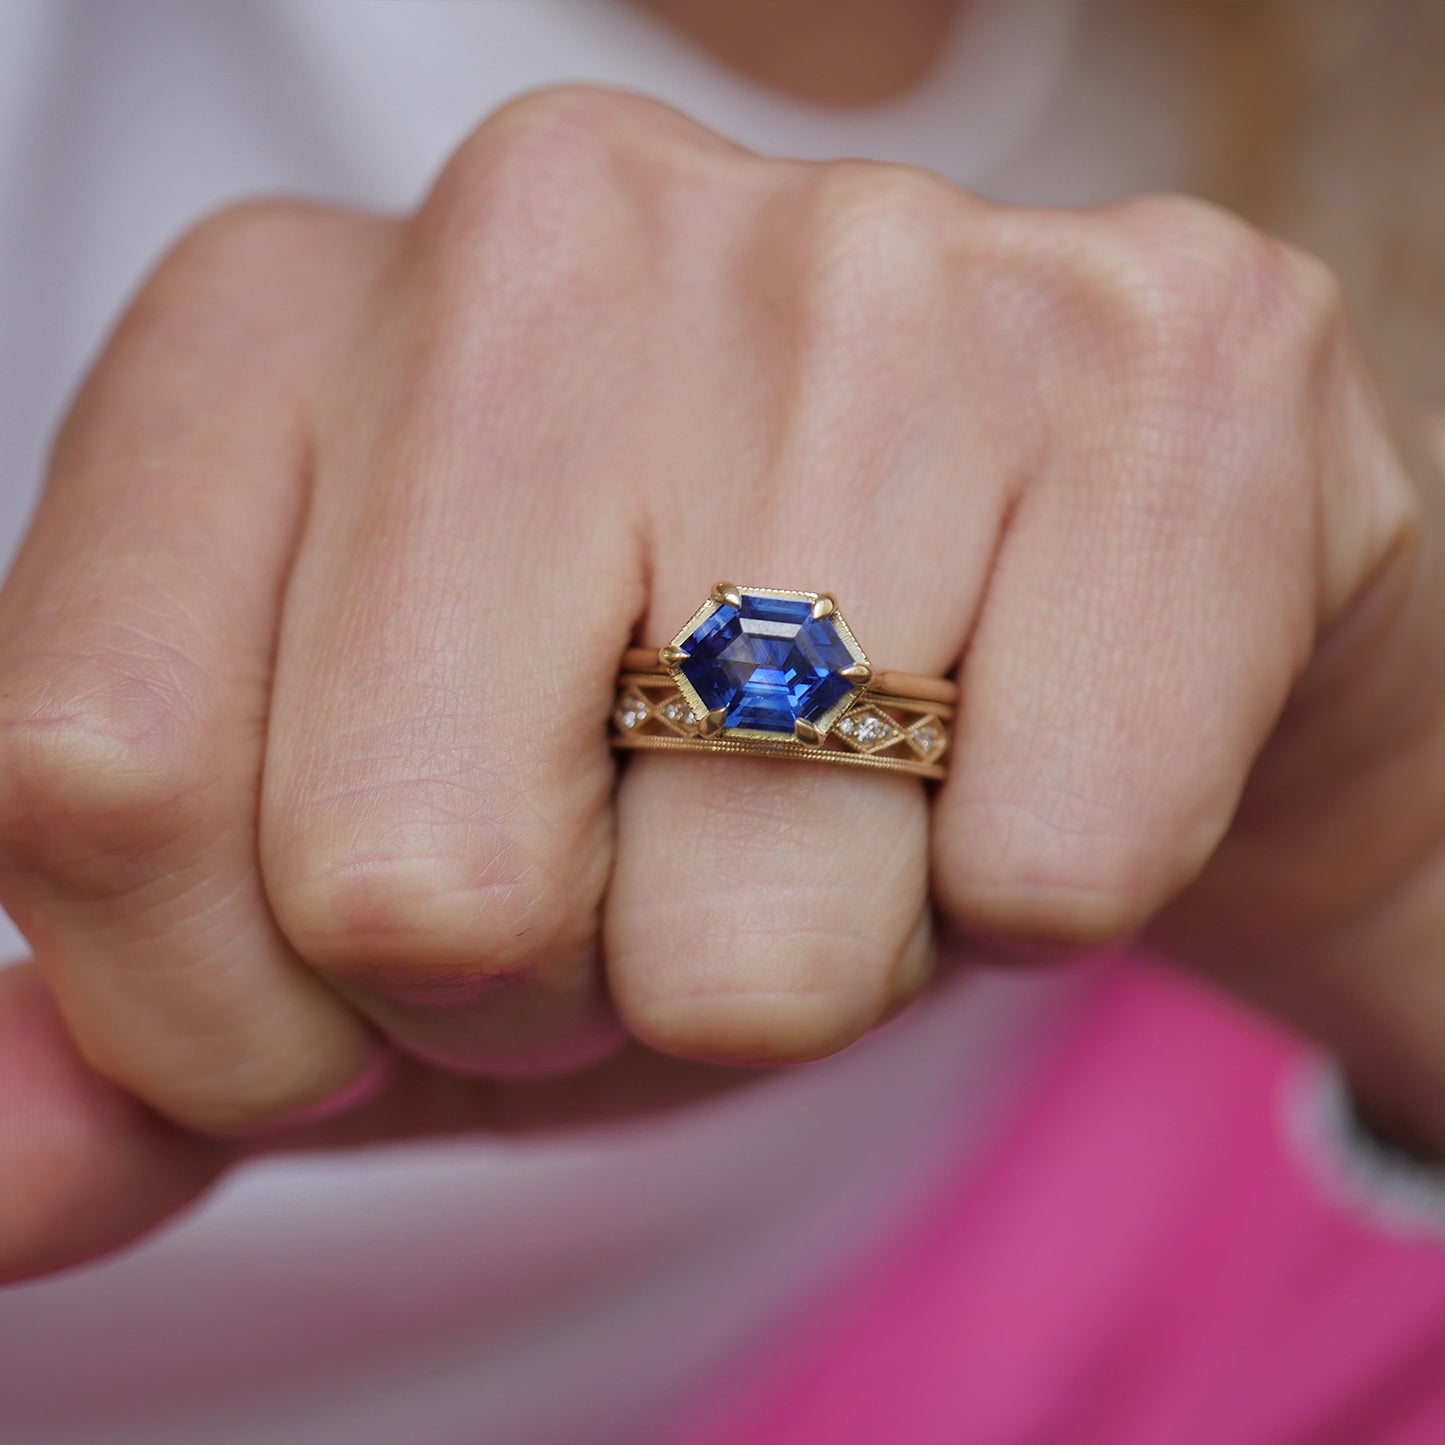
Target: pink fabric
1144, 1261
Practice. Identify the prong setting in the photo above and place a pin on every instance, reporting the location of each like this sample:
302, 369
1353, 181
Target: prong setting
738, 647
778, 672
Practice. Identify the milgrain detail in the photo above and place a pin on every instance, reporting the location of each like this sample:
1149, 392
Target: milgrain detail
880, 731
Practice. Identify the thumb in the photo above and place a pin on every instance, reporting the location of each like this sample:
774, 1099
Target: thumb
84, 1168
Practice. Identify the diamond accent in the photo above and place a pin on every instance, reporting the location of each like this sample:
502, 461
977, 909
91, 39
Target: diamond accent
926, 738
631, 711
677, 712
868, 730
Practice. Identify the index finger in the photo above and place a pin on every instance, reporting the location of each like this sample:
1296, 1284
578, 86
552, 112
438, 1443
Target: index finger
136, 631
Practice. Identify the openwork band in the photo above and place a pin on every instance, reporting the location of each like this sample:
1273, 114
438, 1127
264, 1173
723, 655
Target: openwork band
779, 674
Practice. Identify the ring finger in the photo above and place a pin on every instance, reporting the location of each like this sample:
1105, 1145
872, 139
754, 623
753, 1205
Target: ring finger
764, 910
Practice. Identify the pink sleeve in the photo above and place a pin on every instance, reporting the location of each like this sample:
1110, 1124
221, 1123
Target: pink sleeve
1147, 1259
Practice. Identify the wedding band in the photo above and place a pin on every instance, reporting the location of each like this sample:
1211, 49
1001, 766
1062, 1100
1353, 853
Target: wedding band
777, 673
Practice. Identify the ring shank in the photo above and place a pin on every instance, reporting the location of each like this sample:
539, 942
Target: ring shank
899, 722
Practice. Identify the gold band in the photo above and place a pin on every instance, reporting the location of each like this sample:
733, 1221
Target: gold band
899, 723
940, 690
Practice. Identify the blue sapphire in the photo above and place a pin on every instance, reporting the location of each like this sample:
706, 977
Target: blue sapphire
768, 663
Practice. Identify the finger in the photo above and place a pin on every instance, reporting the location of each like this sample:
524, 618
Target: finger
917, 964
1135, 649
767, 910
437, 812
135, 639
779, 942
69, 1138
1152, 601
1161, 583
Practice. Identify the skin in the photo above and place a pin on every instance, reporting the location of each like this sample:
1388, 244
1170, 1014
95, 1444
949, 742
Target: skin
306, 662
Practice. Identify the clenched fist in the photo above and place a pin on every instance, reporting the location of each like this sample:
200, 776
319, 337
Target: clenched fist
306, 665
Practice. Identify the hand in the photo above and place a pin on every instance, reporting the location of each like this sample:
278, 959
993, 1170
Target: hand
306, 663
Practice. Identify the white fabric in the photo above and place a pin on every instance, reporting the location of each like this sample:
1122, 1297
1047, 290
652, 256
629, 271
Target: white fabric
549, 1294
1397, 1194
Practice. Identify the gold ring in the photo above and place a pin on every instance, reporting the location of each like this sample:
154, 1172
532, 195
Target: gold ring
777, 673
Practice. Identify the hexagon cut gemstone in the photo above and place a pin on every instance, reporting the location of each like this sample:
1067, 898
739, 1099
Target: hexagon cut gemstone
768, 663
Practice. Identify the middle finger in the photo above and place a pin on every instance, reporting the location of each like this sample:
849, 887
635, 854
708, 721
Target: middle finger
437, 816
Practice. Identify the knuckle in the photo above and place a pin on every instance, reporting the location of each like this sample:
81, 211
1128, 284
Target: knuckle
559, 212
546, 199
757, 1028
244, 1093
255, 226
423, 924
1162, 282
103, 762
1073, 914
606, 118
1171, 248
878, 243
260, 273
1047, 877
1064, 870
896, 199
777, 993
1093, 903
535, 152
1179, 282
252, 238
1178, 310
